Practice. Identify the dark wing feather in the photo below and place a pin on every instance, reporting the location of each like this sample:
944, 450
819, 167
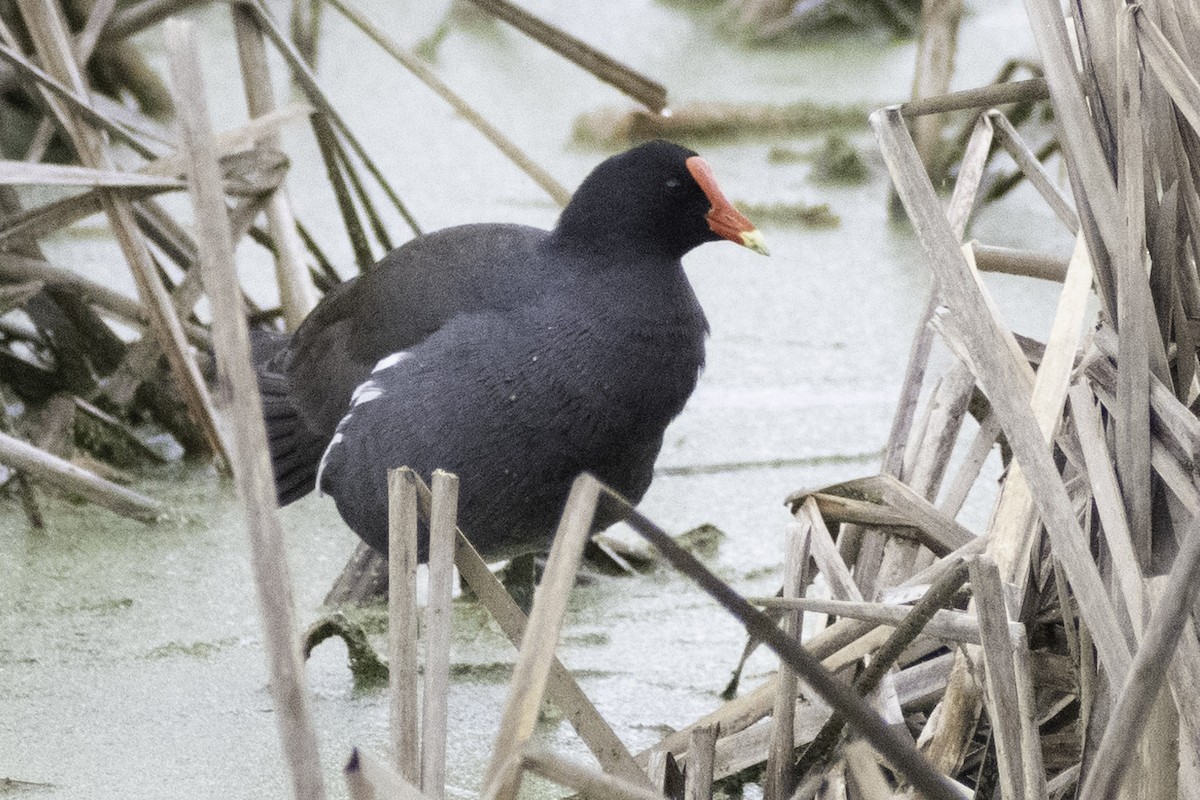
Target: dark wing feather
399, 302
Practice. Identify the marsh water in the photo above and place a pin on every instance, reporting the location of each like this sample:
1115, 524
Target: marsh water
131, 659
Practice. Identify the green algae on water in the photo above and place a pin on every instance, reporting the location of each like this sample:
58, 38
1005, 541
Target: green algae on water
712, 121
838, 161
834, 162
193, 650
799, 214
366, 666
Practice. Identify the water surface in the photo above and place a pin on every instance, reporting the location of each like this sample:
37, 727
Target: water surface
131, 663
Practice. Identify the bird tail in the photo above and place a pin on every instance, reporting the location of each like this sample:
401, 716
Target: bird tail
295, 449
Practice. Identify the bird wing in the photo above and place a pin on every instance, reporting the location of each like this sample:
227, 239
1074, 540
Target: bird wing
398, 303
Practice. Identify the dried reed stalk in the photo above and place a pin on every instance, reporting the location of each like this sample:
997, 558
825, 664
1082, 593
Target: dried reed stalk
1033, 170
48, 30
561, 686
585, 779
955, 626
1149, 670
248, 442
864, 773
423, 73
1003, 711
369, 778
1133, 301
45, 219
403, 672
970, 175
307, 80
1032, 761
438, 618
860, 716
702, 751
69, 95
995, 95
778, 783
50, 470
503, 776
937, 45
19, 172
297, 294
649, 93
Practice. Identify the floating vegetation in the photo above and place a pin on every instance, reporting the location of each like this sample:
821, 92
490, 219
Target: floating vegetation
779, 154
193, 650
16, 787
700, 122
802, 214
365, 665
491, 672
838, 161
835, 162
702, 541
761, 21
106, 606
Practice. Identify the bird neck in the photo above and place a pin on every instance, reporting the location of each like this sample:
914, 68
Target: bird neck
616, 232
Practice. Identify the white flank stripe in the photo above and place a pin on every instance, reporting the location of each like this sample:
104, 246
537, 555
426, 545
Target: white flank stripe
337, 437
365, 394
390, 361
367, 391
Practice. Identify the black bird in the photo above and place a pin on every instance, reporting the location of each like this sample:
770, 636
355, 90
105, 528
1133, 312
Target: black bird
513, 356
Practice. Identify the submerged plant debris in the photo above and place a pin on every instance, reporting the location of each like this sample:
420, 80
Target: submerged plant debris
817, 215
836, 161
706, 122
366, 666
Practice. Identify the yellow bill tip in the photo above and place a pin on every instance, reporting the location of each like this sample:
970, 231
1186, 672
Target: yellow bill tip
755, 241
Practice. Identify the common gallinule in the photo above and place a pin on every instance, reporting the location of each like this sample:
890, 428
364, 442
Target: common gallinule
513, 356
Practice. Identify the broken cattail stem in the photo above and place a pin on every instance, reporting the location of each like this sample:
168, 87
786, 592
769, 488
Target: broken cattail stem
649, 93
561, 686
534, 664
540, 176
702, 750
583, 778
437, 633
899, 751
777, 782
403, 673
985, 97
50, 470
248, 442
1003, 376
297, 294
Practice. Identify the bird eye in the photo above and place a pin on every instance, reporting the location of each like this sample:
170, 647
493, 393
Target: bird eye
672, 183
